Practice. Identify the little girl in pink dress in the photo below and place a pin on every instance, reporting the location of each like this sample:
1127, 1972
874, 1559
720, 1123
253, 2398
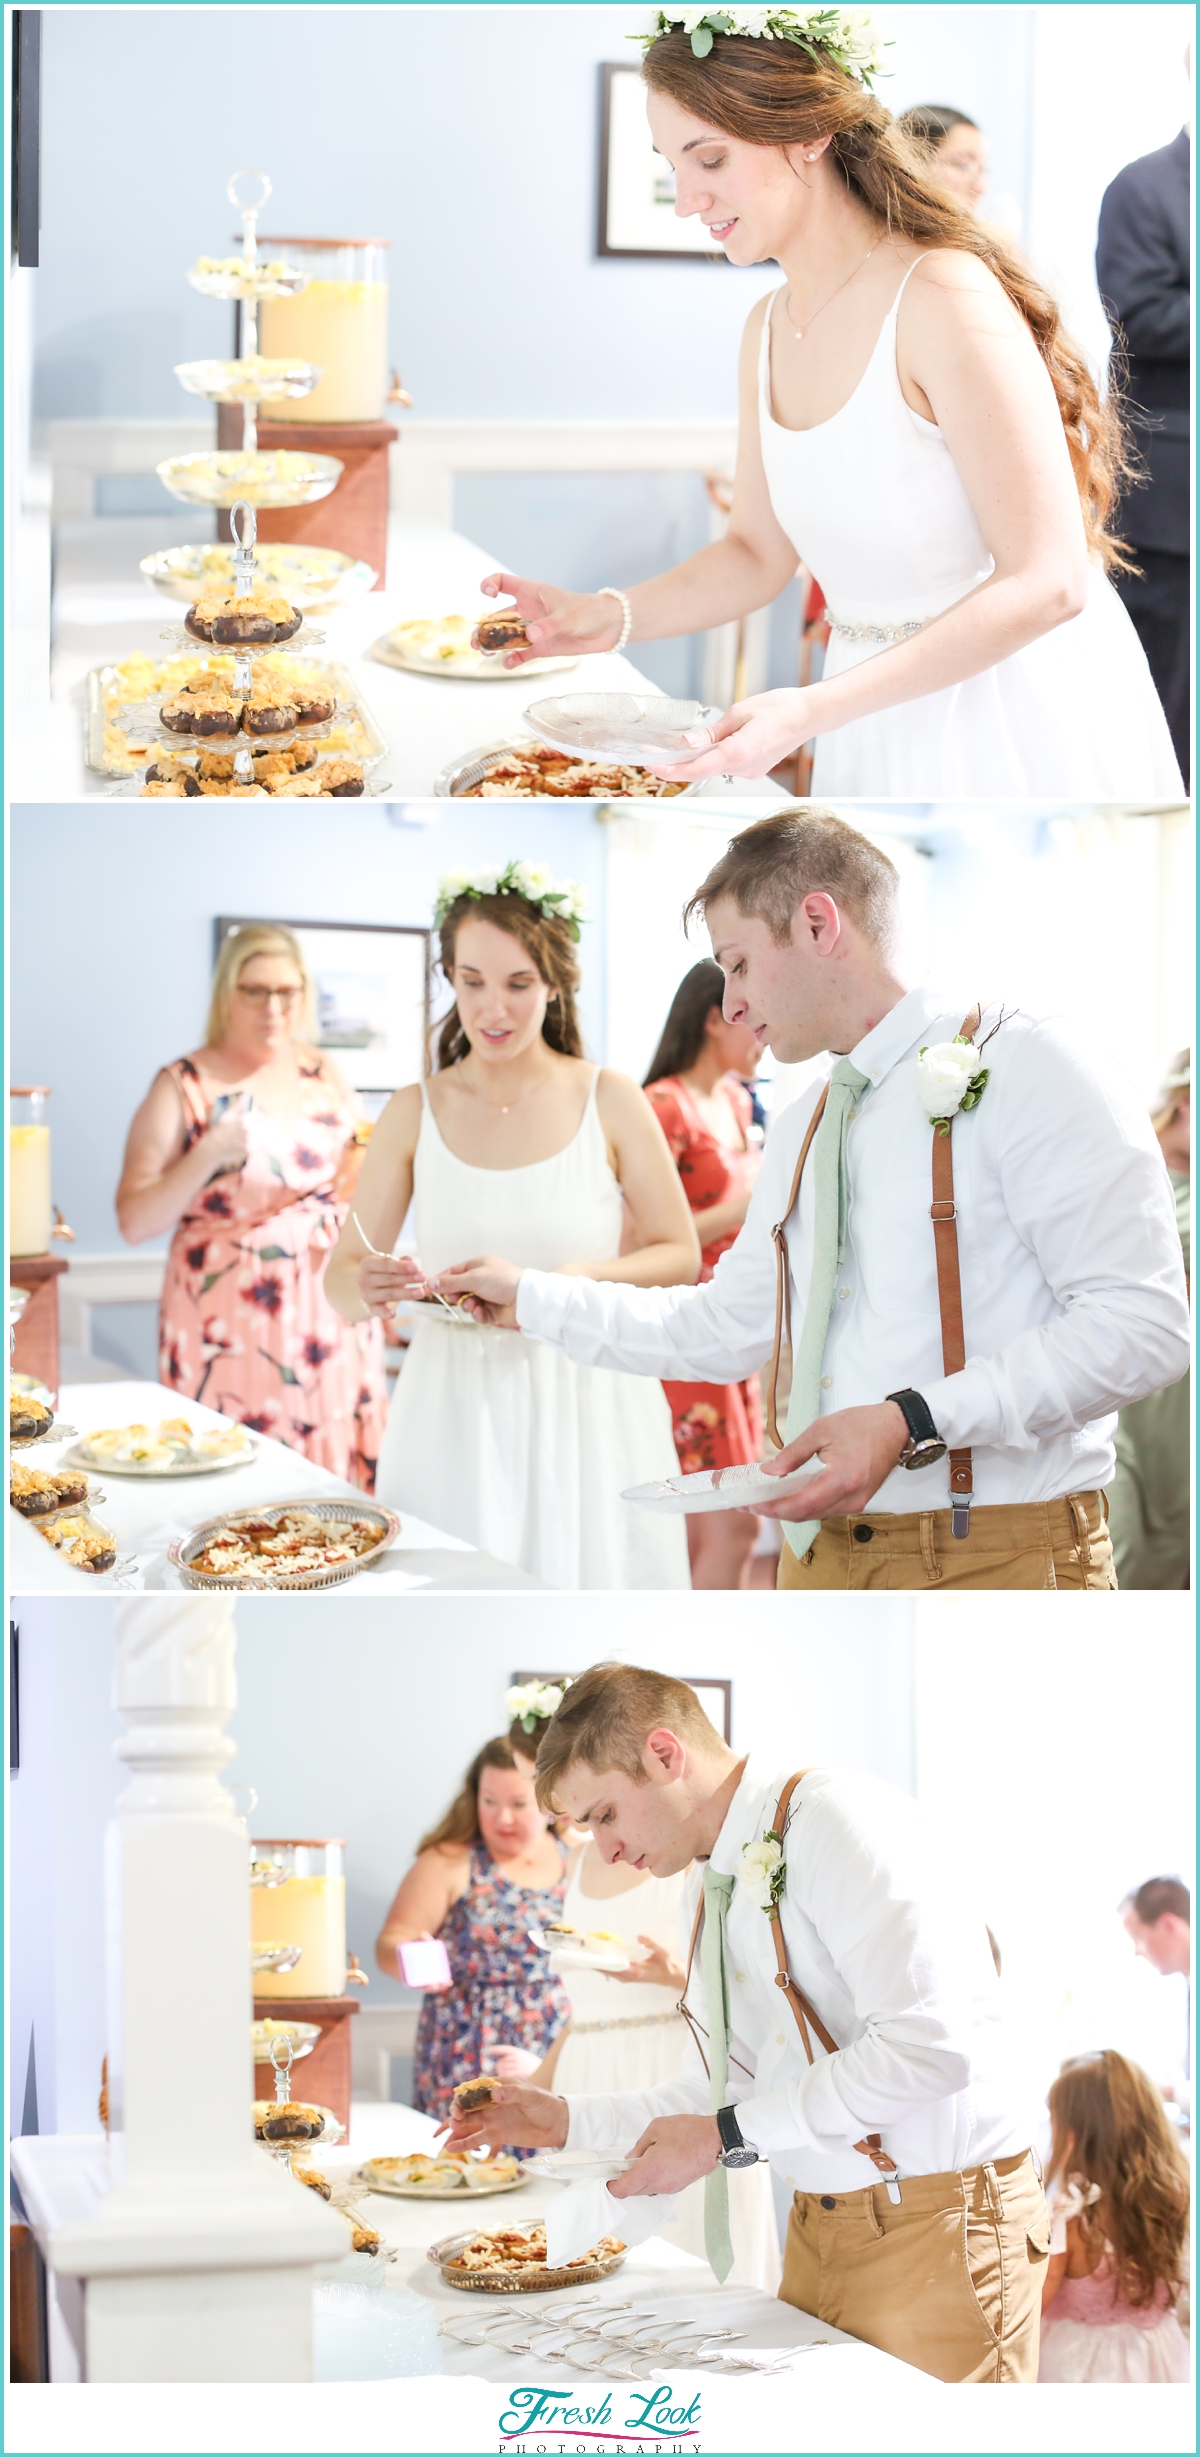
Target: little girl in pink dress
1118, 2195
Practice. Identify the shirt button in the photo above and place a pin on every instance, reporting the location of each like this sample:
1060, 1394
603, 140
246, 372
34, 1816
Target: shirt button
828, 2202
740, 1977
863, 1535
845, 1292
827, 1382
779, 2039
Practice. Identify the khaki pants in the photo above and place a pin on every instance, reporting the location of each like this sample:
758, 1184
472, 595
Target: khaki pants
1015, 1544
948, 2278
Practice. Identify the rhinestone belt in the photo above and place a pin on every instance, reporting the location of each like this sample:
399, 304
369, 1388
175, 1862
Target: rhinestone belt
879, 635
631, 2021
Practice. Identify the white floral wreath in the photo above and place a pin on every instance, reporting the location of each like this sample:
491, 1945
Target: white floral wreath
844, 35
561, 900
534, 1702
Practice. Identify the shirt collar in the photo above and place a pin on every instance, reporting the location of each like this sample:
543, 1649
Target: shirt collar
899, 1031
749, 1813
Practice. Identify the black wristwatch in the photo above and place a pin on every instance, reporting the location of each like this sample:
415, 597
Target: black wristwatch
734, 2152
924, 1444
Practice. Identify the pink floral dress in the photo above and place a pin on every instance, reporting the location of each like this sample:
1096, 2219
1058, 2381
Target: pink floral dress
245, 1324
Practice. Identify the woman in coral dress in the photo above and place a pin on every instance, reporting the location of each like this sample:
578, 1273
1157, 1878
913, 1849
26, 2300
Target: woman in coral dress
695, 1089
247, 1150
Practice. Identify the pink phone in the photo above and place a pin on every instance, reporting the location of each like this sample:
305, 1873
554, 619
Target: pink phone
424, 1963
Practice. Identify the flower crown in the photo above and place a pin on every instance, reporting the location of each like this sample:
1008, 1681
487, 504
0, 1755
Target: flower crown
535, 1703
844, 35
555, 901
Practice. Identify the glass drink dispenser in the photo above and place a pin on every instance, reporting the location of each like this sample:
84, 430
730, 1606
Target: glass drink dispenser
339, 321
30, 1211
298, 1897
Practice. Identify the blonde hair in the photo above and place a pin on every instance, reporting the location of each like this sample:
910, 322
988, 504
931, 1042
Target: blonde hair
606, 1718
254, 938
1124, 2143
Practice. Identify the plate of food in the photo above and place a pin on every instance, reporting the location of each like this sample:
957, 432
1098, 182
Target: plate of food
81, 1539
443, 645
37, 1492
512, 2260
580, 1949
295, 2122
274, 481
173, 1447
310, 576
303, 772
287, 1544
619, 725
301, 2037
454, 2176
721, 1488
31, 1420
525, 770
124, 719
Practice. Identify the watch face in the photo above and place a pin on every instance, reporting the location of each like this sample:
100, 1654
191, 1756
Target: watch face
739, 2158
926, 1454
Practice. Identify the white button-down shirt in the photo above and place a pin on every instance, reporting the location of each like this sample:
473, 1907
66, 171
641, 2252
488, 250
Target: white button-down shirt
1074, 1298
888, 1947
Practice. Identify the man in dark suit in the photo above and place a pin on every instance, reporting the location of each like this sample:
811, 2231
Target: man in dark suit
1143, 267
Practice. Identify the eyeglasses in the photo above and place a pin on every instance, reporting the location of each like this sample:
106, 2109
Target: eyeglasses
259, 997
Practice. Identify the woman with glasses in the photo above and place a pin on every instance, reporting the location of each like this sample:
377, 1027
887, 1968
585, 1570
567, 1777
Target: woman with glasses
246, 1150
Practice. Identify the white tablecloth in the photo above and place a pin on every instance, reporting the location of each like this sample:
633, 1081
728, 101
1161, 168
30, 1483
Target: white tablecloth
147, 1513
653, 2272
104, 610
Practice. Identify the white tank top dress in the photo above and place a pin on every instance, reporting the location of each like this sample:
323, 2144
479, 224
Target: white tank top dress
505, 1442
874, 506
636, 2039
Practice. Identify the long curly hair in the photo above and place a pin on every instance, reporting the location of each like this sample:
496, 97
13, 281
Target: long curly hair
546, 939
776, 94
1123, 2142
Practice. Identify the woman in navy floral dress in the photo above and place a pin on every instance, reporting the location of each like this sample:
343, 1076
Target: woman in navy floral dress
488, 1873
247, 1150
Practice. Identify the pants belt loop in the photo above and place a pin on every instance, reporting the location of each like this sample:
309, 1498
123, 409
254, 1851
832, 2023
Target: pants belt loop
929, 1553
1083, 1533
873, 2210
991, 2186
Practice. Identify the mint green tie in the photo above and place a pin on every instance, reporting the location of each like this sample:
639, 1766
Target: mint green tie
827, 1166
717, 1890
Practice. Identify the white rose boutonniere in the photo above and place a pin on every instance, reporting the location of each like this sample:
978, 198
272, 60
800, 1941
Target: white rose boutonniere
763, 1870
950, 1077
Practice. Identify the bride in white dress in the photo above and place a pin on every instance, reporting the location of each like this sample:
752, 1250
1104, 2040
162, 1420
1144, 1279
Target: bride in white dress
517, 1146
917, 429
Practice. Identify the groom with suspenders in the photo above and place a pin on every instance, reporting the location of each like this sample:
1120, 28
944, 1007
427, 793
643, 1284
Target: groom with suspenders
841, 1988
974, 1233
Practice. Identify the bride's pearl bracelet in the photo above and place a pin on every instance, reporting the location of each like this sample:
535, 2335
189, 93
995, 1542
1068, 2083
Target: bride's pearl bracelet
626, 618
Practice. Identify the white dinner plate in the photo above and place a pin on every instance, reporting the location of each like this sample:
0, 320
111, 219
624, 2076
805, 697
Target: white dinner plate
185, 1462
619, 725
721, 1488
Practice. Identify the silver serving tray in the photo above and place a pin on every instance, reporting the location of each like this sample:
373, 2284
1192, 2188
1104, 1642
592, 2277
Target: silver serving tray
471, 767
183, 1551
182, 571
530, 2281
341, 684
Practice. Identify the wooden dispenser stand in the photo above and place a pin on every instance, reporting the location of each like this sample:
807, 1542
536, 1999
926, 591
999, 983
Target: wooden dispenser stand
35, 1343
325, 2075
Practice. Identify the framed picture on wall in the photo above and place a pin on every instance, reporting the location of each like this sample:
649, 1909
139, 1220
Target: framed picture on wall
716, 1697
637, 187
372, 994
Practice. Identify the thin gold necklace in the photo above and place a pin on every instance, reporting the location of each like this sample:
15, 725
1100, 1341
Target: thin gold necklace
819, 311
501, 1108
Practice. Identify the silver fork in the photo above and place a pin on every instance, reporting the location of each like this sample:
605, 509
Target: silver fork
432, 1296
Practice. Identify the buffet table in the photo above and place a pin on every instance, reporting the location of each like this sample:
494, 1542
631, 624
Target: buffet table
103, 611
654, 2271
147, 1513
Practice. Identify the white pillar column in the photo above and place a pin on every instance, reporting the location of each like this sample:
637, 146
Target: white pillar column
198, 2258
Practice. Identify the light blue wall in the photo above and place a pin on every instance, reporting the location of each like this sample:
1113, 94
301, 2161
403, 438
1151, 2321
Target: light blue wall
470, 137
403, 1693
128, 941
466, 135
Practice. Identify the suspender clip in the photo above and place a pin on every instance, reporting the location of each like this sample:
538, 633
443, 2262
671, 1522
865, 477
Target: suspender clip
960, 1518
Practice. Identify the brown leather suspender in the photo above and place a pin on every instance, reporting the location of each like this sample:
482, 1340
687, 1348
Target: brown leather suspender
944, 1216
807, 2017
